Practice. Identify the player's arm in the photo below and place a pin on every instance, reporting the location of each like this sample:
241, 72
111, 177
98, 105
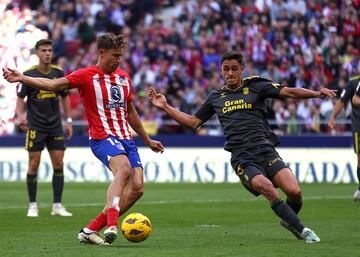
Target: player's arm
39, 83
135, 123
20, 113
182, 118
303, 93
339, 105
67, 112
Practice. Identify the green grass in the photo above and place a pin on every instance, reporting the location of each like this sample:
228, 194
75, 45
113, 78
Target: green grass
188, 220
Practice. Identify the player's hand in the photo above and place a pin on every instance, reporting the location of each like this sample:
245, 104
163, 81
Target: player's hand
325, 92
156, 146
355, 100
69, 130
157, 99
331, 123
11, 75
22, 122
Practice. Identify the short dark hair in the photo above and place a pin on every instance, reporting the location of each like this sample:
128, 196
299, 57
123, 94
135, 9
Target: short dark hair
233, 55
111, 41
42, 42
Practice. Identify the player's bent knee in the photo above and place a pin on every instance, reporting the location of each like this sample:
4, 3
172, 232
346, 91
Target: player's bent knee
267, 189
34, 164
138, 193
58, 164
123, 174
295, 194
138, 189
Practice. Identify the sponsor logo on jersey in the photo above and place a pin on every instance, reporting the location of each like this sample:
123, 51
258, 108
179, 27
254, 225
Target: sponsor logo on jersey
44, 94
235, 105
116, 97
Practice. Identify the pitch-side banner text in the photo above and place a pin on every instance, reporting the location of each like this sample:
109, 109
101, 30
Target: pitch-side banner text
198, 165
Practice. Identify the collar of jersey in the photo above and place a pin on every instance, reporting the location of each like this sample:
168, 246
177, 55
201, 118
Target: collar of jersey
229, 89
45, 73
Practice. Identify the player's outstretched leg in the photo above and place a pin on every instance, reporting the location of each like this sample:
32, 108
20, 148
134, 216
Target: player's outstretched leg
87, 236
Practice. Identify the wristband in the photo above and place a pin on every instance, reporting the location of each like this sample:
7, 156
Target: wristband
69, 120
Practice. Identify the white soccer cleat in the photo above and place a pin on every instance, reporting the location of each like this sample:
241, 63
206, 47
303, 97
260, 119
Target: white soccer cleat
33, 210
357, 195
59, 209
310, 236
90, 238
110, 234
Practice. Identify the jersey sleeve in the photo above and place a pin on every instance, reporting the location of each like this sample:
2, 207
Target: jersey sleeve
76, 78
268, 89
22, 90
62, 92
348, 92
206, 110
357, 89
130, 98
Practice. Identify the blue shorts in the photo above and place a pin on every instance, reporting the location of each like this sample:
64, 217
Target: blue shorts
111, 146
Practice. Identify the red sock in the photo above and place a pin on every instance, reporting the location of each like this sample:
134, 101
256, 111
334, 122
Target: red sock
112, 217
98, 223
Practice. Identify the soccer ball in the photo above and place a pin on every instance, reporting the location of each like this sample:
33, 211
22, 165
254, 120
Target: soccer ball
136, 227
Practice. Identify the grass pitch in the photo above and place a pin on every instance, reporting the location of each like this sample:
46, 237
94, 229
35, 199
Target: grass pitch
188, 220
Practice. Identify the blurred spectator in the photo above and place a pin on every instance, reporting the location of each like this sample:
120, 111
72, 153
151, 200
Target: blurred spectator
294, 123
176, 46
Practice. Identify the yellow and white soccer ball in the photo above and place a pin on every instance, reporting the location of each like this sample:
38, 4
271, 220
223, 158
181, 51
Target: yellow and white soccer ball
136, 227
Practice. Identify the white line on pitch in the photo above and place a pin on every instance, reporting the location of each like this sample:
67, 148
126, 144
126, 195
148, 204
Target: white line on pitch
45, 205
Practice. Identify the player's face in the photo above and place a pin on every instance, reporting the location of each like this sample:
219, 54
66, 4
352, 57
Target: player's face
45, 54
231, 71
112, 58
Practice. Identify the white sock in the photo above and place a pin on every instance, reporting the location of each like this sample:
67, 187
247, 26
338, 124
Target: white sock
56, 205
116, 203
33, 205
88, 231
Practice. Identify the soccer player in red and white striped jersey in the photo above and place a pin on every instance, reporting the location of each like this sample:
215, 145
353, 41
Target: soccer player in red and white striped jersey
106, 95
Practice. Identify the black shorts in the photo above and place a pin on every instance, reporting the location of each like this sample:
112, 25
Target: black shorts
356, 141
36, 140
250, 162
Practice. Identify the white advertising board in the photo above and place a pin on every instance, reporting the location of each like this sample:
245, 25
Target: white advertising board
198, 165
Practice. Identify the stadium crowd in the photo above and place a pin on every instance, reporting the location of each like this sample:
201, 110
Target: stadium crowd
176, 47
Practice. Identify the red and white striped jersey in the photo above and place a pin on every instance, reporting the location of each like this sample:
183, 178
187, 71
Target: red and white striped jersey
105, 98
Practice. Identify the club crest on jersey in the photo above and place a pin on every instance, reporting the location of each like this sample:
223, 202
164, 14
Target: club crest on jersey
245, 90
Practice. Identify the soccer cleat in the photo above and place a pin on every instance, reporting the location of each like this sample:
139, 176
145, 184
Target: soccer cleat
357, 195
291, 229
33, 210
90, 238
310, 236
60, 210
110, 234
